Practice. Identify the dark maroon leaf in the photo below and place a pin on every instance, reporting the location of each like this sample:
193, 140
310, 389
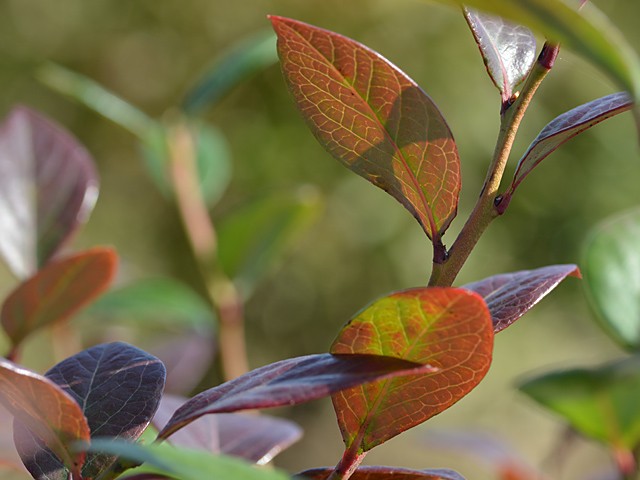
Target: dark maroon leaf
511, 295
57, 291
508, 49
118, 387
48, 186
384, 473
565, 127
374, 119
291, 382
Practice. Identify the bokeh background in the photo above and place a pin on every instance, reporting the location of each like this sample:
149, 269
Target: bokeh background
362, 245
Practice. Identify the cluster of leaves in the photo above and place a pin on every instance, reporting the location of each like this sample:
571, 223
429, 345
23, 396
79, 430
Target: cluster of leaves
403, 359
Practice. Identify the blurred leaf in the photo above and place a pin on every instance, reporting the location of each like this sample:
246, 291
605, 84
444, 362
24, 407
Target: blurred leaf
234, 66
508, 50
48, 186
47, 410
374, 119
566, 126
186, 464
256, 438
384, 473
118, 387
448, 328
612, 277
290, 382
213, 160
253, 239
57, 291
588, 32
601, 403
511, 295
154, 302
94, 96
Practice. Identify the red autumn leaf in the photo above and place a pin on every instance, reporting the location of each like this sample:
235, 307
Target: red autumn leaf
511, 295
448, 328
384, 473
374, 119
57, 291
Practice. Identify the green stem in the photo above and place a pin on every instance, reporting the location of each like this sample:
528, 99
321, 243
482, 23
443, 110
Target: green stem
485, 210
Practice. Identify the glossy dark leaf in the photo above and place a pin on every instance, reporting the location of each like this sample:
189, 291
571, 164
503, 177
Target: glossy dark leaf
234, 66
511, 295
612, 276
290, 382
185, 464
118, 388
600, 402
565, 127
384, 473
57, 291
508, 50
47, 410
449, 328
374, 119
48, 186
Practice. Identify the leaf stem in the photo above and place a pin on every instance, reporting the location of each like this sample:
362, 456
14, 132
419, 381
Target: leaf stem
223, 294
486, 208
350, 461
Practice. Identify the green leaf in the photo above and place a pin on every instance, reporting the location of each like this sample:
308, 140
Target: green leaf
448, 328
254, 238
374, 119
213, 160
186, 464
601, 403
612, 277
153, 302
234, 66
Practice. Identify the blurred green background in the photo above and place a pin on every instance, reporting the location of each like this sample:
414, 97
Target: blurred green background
363, 244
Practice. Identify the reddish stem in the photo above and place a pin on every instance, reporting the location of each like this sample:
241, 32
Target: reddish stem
351, 460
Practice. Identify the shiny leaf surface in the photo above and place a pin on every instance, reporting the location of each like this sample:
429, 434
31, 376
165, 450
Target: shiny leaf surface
48, 186
508, 50
601, 403
384, 473
448, 328
612, 277
47, 410
511, 295
566, 126
57, 291
290, 382
374, 119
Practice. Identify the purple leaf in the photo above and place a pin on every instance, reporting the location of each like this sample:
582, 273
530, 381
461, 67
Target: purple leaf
48, 186
291, 382
384, 473
565, 127
118, 388
511, 295
508, 50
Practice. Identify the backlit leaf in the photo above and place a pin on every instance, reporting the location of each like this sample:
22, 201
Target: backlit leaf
601, 403
508, 50
448, 328
48, 186
384, 473
57, 291
612, 277
290, 382
374, 119
47, 410
566, 126
511, 295
118, 387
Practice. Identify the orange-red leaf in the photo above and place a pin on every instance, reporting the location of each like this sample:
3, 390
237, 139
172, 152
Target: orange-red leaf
374, 119
57, 291
448, 328
47, 410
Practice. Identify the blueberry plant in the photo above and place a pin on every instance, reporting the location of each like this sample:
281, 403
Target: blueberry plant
406, 357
